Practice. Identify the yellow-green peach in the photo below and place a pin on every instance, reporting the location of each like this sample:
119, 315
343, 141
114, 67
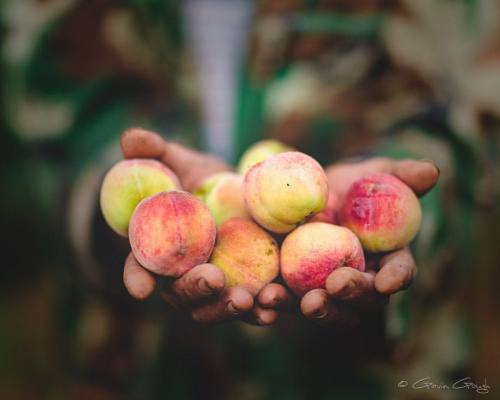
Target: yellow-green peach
171, 232
285, 190
260, 151
313, 251
247, 254
382, 211
127, 183
329, 213
223, 194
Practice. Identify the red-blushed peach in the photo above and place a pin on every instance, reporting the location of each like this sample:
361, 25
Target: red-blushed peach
127, 183
313, 251
171, 232
329, 213
284, 190
247, 254
223, 194
382, 211
260, 151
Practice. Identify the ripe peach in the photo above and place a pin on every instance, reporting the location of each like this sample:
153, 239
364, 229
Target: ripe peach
171, 232
312, 251
247, 254
260, 151
382, 211
329, 213
284, 190
127, 183
223, 194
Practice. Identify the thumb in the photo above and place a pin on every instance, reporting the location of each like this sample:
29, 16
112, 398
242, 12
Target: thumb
140, 143
191, 166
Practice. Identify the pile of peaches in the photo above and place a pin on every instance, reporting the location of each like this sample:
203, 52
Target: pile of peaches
273, 216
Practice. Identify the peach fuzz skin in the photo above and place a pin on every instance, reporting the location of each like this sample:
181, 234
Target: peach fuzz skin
248, 255
284, 190
313, 251
127, 183
260, 151
329, 213
223, 194
172, 232
382, 211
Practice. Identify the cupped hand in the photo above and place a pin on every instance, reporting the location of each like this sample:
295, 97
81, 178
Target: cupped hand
349, 293
201, 292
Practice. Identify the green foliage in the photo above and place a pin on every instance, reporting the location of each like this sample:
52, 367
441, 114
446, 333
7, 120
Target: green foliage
354, 26
250, 123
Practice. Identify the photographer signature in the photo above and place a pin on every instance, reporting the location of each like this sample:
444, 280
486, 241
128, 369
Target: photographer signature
464, 383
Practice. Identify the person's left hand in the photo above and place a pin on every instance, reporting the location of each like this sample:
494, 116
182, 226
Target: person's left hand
349, 293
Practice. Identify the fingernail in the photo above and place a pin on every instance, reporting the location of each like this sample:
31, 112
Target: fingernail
427, 160
320, 312
204, 286
346, 289
232, 309
272, 301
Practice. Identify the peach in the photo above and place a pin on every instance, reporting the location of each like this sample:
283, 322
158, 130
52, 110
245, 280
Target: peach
284, 190
313, 251
127, 183
260, 151
329, 213
223, 194
247, 254
382, 211
171, 232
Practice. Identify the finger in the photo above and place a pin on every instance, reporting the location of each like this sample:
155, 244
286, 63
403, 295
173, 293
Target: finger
201, 282
316, 306
264, 316
233, 303
277, 297
397, 271
140, 283
421, 176
355, 287
140, 143
192, 167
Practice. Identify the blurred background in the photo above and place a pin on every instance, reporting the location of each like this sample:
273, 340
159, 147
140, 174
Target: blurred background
335, 78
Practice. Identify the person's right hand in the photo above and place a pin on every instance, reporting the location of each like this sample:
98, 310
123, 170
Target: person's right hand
201, 292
